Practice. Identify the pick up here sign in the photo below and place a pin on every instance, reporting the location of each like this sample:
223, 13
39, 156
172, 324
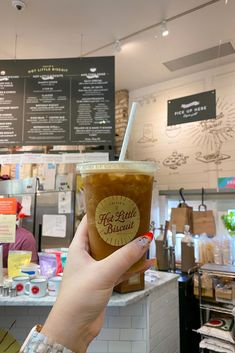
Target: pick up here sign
197, 107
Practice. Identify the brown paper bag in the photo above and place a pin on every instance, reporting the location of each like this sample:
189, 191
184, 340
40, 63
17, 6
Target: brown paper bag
203, 222
180, 216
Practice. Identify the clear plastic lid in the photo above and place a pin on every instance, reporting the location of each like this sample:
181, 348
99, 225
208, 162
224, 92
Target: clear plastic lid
142, 167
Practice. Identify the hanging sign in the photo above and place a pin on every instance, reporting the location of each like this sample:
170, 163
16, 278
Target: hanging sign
197, 107
57, 101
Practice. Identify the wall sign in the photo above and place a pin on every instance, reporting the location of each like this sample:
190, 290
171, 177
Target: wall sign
226, 183
197, 107
57, 101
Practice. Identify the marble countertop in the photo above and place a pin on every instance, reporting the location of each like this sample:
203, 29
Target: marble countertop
153, 280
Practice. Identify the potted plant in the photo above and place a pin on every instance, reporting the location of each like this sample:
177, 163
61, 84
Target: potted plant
229, 222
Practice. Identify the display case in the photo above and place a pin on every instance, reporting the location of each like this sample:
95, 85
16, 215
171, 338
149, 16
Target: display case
216, 292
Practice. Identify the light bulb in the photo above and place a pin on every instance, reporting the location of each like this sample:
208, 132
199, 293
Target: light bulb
117, 46
164, 29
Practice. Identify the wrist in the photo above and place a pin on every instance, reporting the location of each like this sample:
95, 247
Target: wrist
65, 328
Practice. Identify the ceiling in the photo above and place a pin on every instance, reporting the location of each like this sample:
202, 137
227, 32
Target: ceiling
71, 28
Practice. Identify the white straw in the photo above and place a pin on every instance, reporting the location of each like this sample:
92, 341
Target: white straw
128, 131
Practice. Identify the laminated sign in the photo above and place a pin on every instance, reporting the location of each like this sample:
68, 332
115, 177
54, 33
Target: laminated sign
7, 219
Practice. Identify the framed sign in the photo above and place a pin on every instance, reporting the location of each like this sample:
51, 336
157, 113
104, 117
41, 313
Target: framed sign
57, 101
197, 107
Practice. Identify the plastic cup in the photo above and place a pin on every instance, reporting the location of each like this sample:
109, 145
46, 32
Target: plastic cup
118, 199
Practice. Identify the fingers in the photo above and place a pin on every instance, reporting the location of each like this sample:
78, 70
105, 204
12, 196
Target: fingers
122, 259
80, 239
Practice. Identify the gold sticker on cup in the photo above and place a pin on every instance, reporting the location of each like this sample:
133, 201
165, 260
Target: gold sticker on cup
117, 220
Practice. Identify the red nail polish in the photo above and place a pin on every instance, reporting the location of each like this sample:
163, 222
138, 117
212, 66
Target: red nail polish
149, 235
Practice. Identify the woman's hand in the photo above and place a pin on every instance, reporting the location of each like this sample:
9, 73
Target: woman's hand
77, 316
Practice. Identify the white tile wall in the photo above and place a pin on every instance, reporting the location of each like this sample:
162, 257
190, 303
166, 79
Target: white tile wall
139, 347
109, 334
113, 311
98, 347
131, 334
148, 326
132, 310
138, 321
119, 321
119, 347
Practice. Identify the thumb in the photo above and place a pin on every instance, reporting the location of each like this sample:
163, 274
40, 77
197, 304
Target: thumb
122, 259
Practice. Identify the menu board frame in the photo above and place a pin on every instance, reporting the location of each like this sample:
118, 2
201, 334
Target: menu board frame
57, 101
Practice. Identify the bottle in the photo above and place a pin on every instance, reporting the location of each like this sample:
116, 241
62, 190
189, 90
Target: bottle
187, 251
162, 250
172, 263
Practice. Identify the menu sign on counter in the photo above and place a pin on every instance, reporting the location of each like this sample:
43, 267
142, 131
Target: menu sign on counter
57, 101
197, 107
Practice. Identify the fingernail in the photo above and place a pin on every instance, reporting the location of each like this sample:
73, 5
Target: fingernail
145, 240
149, 235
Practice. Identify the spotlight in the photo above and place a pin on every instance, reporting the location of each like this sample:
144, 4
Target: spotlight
19, 5
117, 46
164, 29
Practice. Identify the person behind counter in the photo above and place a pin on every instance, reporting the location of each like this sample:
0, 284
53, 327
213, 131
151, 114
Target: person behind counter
24, 241
78, 314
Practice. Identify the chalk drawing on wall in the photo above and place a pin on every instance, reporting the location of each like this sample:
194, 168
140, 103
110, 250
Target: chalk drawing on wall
175, 160
211, 134
152, 98
173, 131
147, 134
216, 157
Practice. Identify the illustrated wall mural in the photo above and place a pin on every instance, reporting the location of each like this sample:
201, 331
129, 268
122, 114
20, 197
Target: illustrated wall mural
193, 154
147, 134
212, 134
175, 160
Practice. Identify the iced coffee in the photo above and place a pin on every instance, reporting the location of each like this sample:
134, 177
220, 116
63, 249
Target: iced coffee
118, 201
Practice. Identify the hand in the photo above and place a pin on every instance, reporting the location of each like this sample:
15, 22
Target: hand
78, 314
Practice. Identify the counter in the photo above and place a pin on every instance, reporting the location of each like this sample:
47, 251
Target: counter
140, 322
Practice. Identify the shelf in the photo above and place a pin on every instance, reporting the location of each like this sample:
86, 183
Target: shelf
197, 192
208, 305
218, 270
223, 310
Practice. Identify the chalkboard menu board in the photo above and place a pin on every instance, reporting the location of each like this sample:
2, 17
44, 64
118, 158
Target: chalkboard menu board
57, 101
